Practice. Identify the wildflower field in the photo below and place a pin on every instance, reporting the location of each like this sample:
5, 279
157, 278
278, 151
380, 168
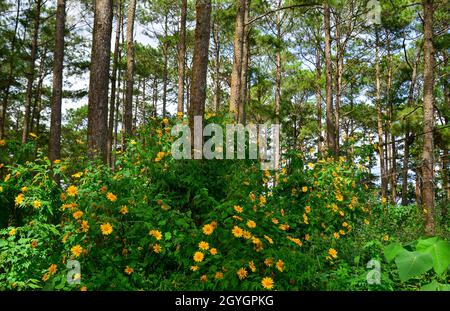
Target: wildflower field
155, 223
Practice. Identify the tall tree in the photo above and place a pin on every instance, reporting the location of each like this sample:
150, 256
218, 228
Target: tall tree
54, 147
238, 44
216, 40
128, 115
30, 78
182, 56
245, 64
113, 97
428, 118
331, 131
99, 79
278, 67
200, 60
409, 137
380, 135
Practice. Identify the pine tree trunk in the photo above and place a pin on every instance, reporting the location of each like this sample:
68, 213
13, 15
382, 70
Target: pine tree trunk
318, 99
112, 100
216, 40
238, 44
428, 119
182, 56
130, 69
278, 71
338, 83
380, 118
30, 78
408, 136
99, 80
200, 62
54, 145
244, 72
331, 130
165, 69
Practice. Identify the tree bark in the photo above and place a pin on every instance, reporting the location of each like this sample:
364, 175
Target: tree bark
338, 82
331, 130
200, 61
216, 40
99, 80
238, 44
182, 57
112, 100
428, 119
318, 99
30, 78
278, 69
379, 116
165, 69
128, 116
408, 136
54, 146
244, 72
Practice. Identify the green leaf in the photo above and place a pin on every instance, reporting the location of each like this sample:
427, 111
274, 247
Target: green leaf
167, 236
435, 286
439, 250
411, 264
392, 250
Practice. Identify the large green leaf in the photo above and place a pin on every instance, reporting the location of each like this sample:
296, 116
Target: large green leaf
439, 250
392, 250
411, 264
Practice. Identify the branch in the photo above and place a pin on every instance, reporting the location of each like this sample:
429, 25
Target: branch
280, 9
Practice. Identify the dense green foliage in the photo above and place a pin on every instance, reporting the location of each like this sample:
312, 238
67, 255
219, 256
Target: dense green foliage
156, 223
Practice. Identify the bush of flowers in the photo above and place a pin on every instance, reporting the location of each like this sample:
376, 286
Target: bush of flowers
155, 223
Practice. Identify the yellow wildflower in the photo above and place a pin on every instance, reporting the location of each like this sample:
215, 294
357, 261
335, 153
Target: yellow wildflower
251, 224
203, 245
157, 248
112, 197
268, 262
123, 210
128, 270
36, 204
76, 250
72, 191
242, 273
52, 269
106, 228
280, 265
252, 266
267, 283
237, 231
238, 209
84, 226
12, 232
198, 256
77, 214
156, 234
269, 239
19, 199
332, 252
208, 229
